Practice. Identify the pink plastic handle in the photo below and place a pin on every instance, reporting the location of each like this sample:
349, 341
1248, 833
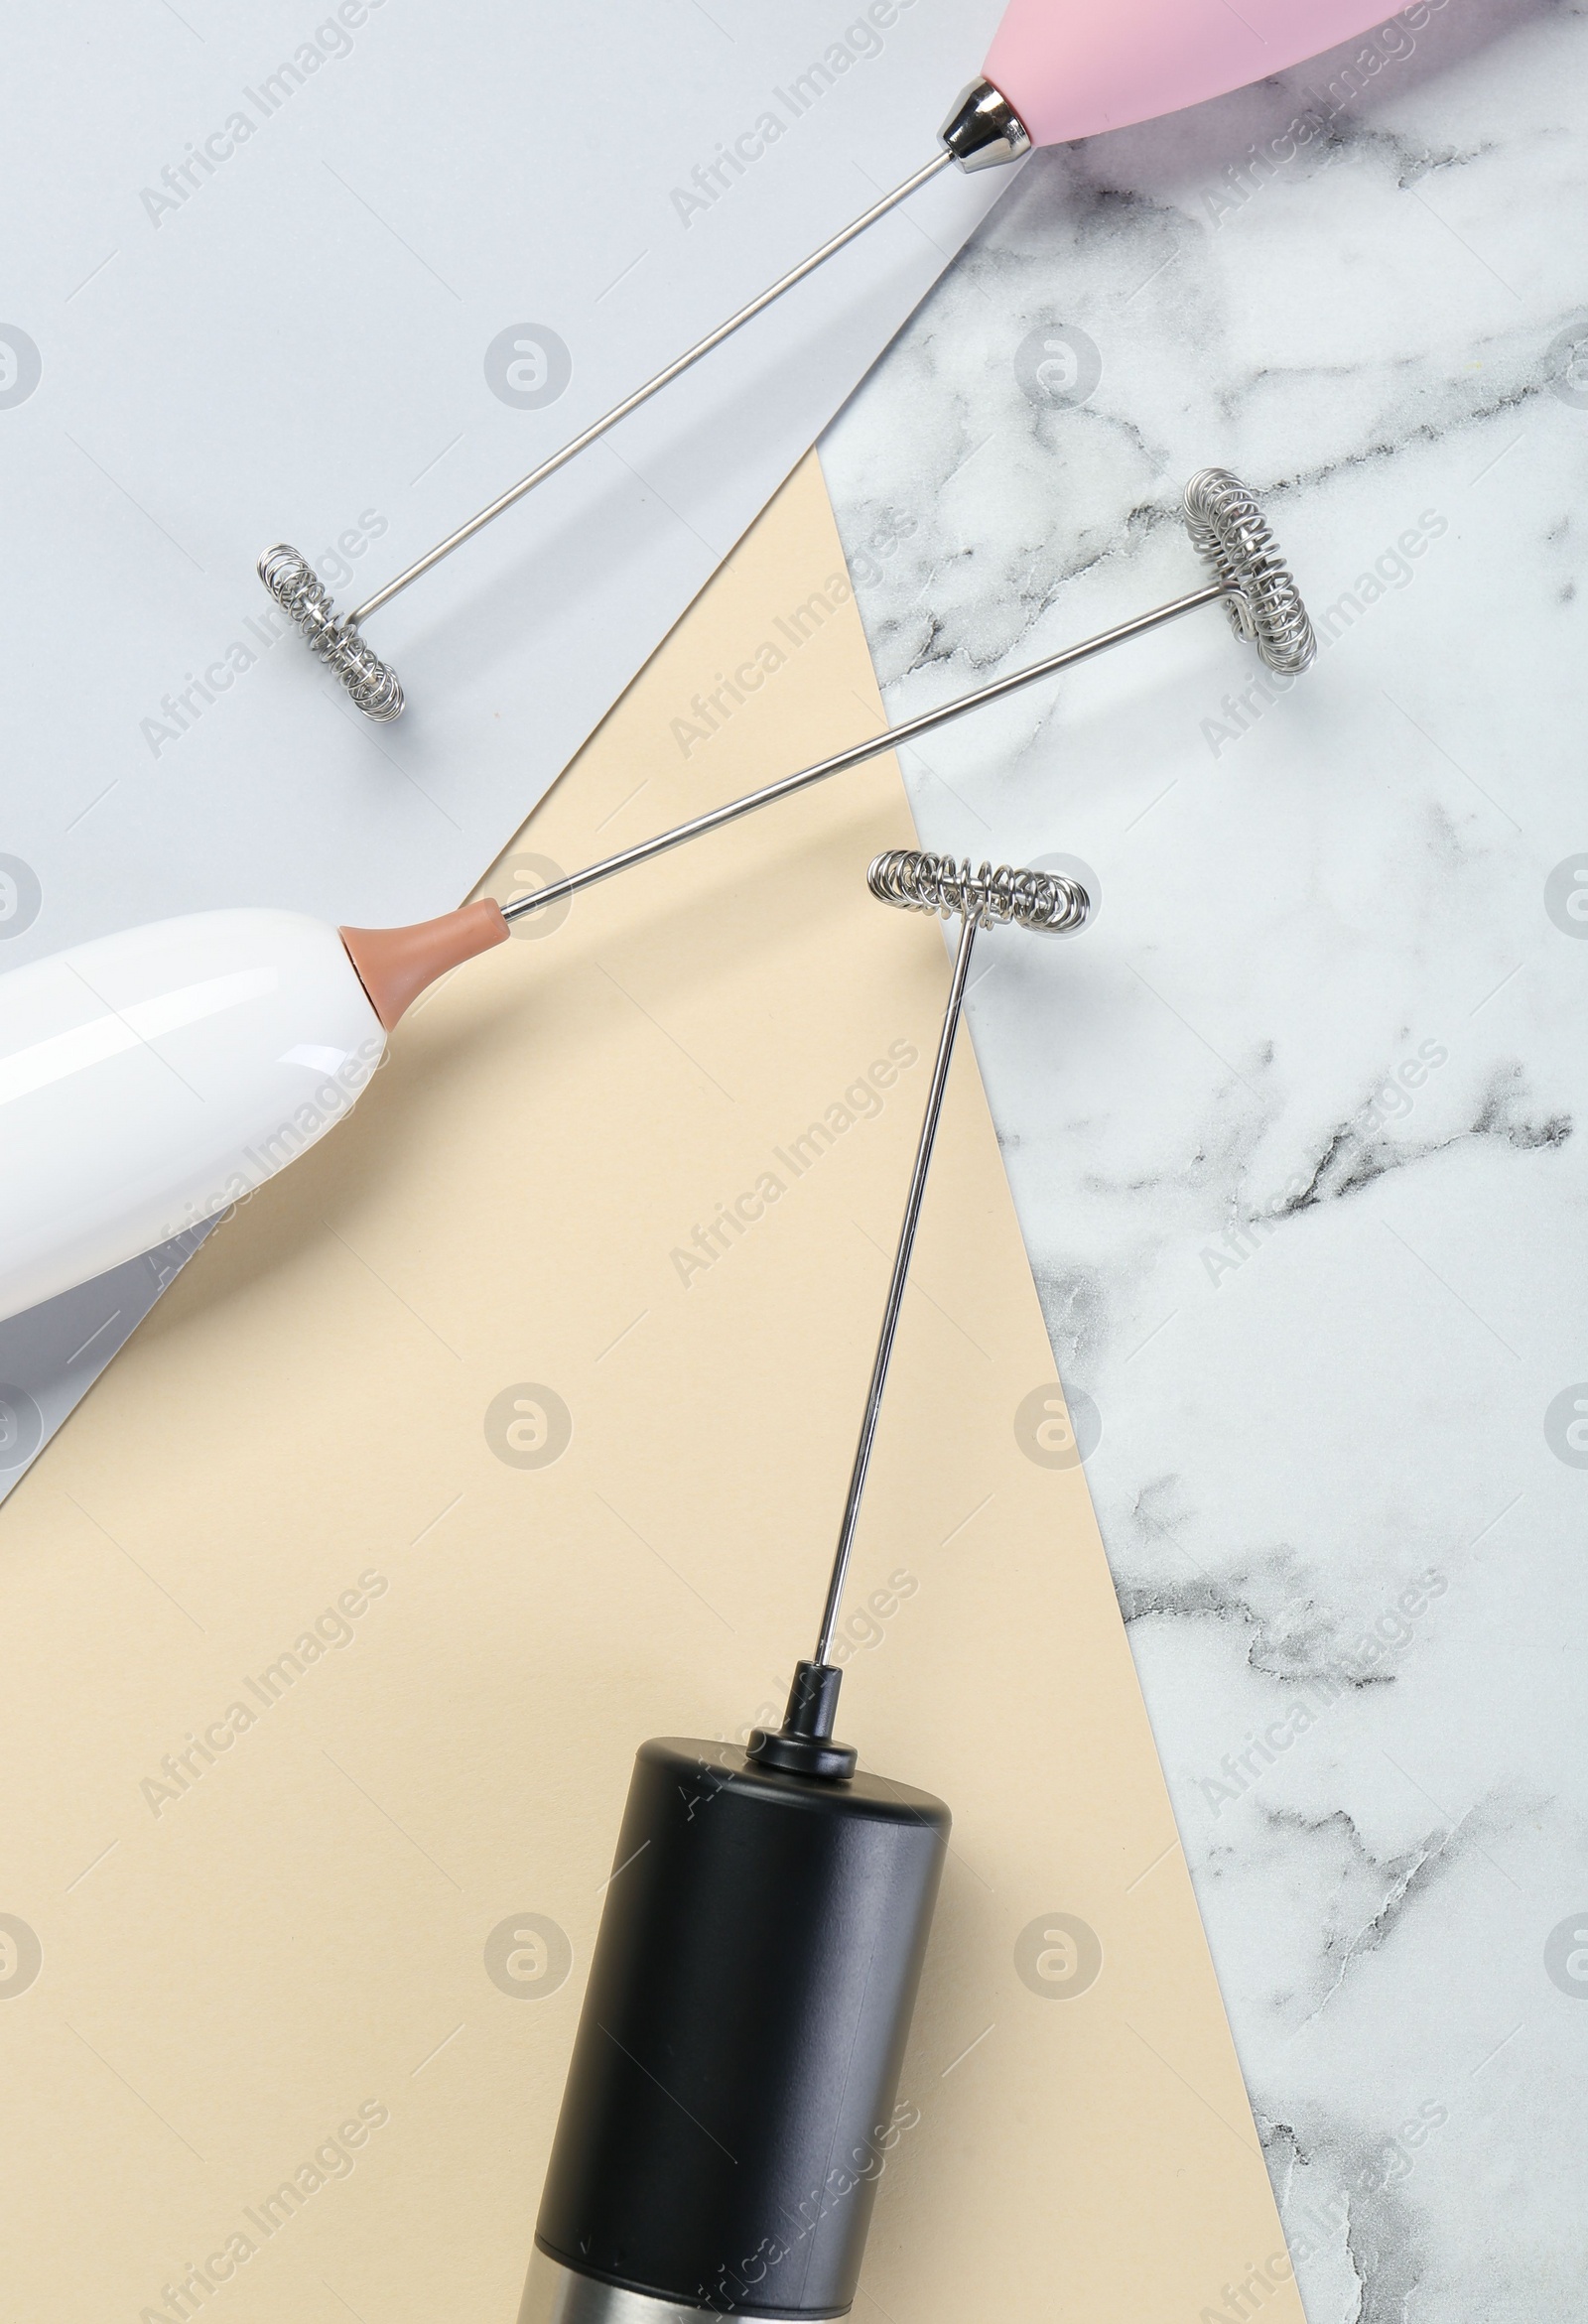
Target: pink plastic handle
1071, 68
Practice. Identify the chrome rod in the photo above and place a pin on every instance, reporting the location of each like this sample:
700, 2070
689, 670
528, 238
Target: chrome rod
859, 752
896, 1289
631, 403
982, 897
982, 131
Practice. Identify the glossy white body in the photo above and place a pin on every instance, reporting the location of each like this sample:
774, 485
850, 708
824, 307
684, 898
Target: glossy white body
149, 1081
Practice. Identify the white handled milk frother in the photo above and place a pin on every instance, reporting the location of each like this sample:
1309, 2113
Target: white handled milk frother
1057, 69
731, 2100
152, 1079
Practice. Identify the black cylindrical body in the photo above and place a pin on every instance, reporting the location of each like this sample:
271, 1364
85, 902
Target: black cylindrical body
730, 2101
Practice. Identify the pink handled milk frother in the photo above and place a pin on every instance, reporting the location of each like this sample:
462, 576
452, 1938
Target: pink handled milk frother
1057, 69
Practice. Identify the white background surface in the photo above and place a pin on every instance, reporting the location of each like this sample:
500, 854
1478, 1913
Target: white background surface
302, 340
1377, 330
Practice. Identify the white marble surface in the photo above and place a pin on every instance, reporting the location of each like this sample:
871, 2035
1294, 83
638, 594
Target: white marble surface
1323, 1317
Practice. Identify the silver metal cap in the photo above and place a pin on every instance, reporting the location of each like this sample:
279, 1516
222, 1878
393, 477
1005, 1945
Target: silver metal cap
984, 129
555, 2295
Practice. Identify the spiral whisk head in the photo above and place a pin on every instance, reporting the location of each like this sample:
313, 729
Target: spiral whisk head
918, 882
1231, 536
300, 593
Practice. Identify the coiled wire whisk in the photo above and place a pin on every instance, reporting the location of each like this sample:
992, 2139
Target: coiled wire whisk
1231, 534
920, 882
372, 683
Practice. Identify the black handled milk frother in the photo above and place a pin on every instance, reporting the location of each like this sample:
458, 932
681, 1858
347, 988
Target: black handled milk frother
730, 2101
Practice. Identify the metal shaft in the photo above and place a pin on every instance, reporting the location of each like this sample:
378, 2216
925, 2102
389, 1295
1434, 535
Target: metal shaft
859, 752
895, 1290
631, 403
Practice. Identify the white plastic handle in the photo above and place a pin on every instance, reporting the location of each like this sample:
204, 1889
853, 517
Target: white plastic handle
149, 1081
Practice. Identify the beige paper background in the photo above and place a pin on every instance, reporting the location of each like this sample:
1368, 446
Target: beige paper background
300, 1931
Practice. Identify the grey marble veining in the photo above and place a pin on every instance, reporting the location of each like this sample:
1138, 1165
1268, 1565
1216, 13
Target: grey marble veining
1296, 1131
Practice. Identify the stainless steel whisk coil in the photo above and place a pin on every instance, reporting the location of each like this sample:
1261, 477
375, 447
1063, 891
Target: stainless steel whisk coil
372, 683
917, 882
991, 898
1231, 536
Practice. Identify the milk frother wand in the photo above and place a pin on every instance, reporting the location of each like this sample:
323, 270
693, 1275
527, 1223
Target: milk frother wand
731, 2099
1252, 581
150, 1079
1057, 69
